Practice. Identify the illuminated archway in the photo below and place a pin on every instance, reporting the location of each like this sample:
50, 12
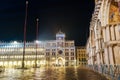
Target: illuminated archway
60, 61
1, 63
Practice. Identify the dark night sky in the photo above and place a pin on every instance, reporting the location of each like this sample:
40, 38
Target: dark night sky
73, 17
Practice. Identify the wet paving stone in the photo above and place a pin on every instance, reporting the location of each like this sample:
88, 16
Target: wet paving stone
51, 73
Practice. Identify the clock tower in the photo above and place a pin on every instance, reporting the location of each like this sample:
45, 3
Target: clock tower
60, 42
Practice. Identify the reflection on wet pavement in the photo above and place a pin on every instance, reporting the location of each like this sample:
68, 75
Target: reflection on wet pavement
50, 73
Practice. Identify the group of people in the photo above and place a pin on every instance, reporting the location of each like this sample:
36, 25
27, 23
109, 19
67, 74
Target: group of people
2, 68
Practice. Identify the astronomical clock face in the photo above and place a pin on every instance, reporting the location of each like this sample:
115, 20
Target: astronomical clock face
60, 51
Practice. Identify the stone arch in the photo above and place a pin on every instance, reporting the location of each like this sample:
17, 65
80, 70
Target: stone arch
115, 54
92, 34
60, 61
106, 11
99, 27
102, 12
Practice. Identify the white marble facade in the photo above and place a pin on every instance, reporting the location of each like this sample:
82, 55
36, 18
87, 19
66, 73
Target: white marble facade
59, 52
103, 45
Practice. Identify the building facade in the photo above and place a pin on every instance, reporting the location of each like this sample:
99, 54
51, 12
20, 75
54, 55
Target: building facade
81, 56
103, 45
59, 52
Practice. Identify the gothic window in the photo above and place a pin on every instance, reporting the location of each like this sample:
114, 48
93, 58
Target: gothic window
66, 58
72, 58
66, 54
72, 53
79, 59
72, 49
66, 44
53, 53
47, 49
72, 44
53, 49
47, 53
54, 44
66, 49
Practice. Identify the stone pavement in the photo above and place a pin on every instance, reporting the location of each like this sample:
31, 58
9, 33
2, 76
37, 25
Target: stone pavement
51, 73
86, 74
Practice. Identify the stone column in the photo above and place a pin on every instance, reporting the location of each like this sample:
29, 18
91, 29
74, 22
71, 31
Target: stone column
97, 45
104, 9
116, 51
98, 58
106, 56
108, 33
112, 32
111, 56
91, 60
117, 32
101, 54
91, 56
104, 34
105, 12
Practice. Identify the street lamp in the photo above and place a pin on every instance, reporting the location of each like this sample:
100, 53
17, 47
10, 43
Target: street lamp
25, 24
15, 42
36, 41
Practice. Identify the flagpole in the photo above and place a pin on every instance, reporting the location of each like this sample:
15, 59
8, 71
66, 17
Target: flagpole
25, 24
37, 20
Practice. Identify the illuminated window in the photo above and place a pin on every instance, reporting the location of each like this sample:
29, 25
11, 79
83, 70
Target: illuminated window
72, 53
72, 58
53, 53
66, 54
47, 53
66, 58
47, 49
72, 49
66, 49
54, 44
72, 44
66, 44
53, 49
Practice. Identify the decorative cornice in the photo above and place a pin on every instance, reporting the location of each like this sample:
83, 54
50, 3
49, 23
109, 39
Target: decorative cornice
112, 43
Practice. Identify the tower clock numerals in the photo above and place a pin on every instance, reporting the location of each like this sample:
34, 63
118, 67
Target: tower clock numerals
60, 51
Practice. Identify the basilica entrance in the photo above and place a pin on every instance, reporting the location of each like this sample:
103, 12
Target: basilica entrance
60, 61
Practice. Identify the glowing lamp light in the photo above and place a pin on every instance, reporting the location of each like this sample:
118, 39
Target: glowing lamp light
15, 42
37, 41
41, 49
53, 58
